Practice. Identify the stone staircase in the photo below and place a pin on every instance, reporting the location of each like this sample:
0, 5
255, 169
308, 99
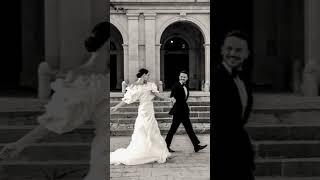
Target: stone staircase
285, 131
286, 134
53, 158
199, 103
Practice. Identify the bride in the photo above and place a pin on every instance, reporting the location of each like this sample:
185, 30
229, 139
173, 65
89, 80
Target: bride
147, 145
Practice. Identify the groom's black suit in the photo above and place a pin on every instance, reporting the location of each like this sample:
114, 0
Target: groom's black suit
180, 112
233, 155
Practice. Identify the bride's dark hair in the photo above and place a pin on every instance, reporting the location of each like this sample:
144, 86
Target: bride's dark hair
141, 72
99, 35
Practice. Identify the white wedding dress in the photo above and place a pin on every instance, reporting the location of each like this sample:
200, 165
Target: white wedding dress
146, 145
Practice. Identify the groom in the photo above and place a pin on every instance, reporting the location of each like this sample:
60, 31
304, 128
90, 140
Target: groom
180, 112
233, 154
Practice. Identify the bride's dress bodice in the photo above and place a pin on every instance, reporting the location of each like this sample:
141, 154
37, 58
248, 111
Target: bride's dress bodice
143, 94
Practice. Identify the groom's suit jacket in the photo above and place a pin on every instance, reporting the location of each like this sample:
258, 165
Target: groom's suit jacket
231, 143
181, 106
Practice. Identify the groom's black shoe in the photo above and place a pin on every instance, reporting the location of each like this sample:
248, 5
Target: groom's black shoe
199, 147
170, 150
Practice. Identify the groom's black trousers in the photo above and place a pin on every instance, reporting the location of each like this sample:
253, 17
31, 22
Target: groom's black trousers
184, 119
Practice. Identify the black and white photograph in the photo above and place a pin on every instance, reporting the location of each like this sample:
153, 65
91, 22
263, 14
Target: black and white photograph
159, 89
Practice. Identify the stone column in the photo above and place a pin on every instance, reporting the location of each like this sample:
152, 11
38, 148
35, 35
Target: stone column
312, 54
192, 68
162, 76
133, 27
51, 33
207, 67
119, 69
158, 66
150, 22
141, 45
125, 63
73, 28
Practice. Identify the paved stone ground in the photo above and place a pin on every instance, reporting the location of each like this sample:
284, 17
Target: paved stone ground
187, 165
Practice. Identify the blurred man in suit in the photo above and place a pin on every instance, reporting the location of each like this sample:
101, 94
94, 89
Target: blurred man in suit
233, 155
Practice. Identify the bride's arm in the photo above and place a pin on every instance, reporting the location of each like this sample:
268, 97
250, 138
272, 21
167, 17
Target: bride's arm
116, 107
157, 94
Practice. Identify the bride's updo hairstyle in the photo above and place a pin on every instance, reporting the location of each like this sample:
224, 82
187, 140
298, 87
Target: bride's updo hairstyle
99, 35
142, 72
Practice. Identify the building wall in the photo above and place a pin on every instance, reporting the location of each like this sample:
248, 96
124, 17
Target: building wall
151, 18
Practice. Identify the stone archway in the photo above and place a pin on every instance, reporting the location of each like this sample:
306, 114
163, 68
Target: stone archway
181, 51
116, 59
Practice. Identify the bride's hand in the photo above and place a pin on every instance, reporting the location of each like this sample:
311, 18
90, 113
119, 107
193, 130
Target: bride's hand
172, 100
113, 109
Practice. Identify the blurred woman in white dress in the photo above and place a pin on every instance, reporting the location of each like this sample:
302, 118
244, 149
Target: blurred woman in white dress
146, 145
78, 98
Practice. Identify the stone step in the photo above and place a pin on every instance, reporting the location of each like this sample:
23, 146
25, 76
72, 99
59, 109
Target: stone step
194, 95
12, 133
258, 132
55, 151
157, 115
279, 132
44, 170
288, 167
163, 103
286, 149
127, 129
263, 118
163, 108
160, 120
45, 151
265, 168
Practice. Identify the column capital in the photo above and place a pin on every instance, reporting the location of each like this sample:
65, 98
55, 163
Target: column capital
206, 45
149, 15
133, 16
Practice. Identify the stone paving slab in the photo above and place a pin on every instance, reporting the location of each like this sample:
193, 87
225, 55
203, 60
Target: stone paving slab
187, 164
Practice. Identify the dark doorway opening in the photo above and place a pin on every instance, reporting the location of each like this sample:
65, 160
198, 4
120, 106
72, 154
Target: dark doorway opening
176, 59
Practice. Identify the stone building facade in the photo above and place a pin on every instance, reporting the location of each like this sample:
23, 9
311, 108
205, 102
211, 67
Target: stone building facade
165, 37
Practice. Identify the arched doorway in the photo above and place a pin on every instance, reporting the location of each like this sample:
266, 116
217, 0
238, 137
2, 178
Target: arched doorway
182, 49
116, 59
176, 59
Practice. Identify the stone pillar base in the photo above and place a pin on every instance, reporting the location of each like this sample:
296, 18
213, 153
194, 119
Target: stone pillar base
310, 85
45, 75
160, 86
124, 85
206, 87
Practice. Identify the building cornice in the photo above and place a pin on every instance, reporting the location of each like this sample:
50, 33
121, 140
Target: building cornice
163, 11
157, 3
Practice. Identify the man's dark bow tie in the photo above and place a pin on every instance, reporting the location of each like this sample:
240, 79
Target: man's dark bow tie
235, 73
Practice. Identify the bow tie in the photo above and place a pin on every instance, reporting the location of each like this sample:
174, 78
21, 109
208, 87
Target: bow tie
235, 73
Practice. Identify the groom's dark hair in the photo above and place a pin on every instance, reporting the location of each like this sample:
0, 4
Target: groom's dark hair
239, 34
185, 72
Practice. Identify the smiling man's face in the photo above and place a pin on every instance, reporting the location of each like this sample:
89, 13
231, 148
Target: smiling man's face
234, 51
